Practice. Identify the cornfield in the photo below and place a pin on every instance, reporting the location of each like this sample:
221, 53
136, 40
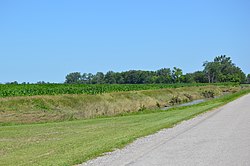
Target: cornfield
10, 90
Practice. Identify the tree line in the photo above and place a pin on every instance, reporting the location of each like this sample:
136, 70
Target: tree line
221, 69
165, 75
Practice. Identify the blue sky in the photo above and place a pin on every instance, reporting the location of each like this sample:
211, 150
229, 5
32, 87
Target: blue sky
47, 39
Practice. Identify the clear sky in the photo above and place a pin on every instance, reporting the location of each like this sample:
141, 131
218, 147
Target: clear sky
47, 39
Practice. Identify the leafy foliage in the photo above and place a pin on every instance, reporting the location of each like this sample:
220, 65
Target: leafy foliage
161, 76
223, 70
73, 78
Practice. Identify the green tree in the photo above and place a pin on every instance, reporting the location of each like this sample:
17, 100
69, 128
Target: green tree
110, 77
98, 78
212, 70
89, 78
177, 75
164, 75
41, 82
84, 78
223, 70
73, 78
200, 77
133, 77
13, 82
189, 78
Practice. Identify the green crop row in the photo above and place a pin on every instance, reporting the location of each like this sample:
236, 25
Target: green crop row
10, 90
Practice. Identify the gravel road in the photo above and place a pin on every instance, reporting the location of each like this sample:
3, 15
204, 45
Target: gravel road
220, 137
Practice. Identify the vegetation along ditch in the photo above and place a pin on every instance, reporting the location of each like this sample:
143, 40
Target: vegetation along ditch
50, 108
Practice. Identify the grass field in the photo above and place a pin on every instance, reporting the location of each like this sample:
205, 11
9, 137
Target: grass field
73, 142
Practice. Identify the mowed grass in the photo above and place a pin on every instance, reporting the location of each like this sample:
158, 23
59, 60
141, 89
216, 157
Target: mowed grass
73, 142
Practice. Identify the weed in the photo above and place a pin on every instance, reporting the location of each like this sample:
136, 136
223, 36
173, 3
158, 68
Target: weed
190, 97
158, 105
208, 94
142, 108
175, 100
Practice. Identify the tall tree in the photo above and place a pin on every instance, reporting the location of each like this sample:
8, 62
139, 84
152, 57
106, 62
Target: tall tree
133, 77
212, 70
176, 75
200, 77
110, 77
98, 78
89, 78
189, 78
164, 75
73, 78
84, 78
223, 70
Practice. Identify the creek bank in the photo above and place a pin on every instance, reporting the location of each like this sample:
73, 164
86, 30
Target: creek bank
45, 108
185, 104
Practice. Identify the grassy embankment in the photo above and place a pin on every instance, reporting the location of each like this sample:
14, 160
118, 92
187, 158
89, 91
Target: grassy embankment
46, 108
73, 142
